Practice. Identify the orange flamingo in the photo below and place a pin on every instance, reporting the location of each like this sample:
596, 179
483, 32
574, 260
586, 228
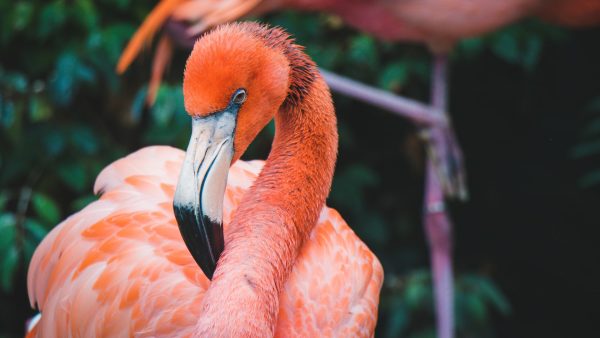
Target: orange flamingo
438, 23
290, 267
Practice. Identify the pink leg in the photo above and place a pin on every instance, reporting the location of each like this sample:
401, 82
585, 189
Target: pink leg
438, 226
411, 109
442, 147
444, 175
439, 234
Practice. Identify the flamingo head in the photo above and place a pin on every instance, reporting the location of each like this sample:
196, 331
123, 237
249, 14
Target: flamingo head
234, 83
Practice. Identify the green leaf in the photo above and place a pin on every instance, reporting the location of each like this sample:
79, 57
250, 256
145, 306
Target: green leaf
418, 293
7, 231
375, 228
51, 18
325, 56
85, 13
506, 46
475, 307
84, 140
169, 101
6, 220
363, 50
45, 208
39, 110
7, 113
394, 76
69, 73
23, 12
35, 230
349, 185
532, 52
110, 42
53, 142
8, 253
471, 47
399, 318
8, 266
139, 102
73, 175
483, 288
494, 296
14, 81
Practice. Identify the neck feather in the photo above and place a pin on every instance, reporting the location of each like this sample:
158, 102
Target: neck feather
280, 210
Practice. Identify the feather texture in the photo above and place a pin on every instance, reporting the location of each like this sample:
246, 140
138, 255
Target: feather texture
119, 267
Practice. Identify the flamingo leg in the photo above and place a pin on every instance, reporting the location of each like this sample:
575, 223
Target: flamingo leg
438, 226
411, 109
444, 174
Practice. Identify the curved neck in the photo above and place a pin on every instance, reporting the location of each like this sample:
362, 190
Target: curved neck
276, 214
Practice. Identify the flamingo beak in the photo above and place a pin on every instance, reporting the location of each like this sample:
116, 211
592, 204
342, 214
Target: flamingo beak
198, 201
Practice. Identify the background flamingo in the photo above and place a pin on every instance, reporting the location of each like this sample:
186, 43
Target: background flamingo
290, 266
438, 23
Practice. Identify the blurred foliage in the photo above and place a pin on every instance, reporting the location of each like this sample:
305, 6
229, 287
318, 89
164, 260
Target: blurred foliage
65, 114
520, 44
588, 147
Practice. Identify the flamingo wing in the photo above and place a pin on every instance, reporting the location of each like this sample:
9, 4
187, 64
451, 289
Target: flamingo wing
333, 290
119, 268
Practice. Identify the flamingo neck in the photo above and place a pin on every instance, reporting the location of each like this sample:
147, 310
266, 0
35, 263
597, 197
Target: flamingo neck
278, 213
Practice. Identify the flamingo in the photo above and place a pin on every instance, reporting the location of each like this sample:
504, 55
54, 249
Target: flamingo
282, 264
437, 23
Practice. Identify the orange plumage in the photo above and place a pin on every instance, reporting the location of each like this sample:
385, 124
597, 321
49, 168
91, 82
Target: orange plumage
291, 266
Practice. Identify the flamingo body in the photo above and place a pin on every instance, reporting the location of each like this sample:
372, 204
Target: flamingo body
571, 13
439, 23
119, 267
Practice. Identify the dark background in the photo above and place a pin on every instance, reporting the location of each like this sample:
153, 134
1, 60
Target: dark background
525, 102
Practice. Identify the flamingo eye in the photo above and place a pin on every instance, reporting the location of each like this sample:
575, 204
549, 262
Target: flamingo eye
240, 96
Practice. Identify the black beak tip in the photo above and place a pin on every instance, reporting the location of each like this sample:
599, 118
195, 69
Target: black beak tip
202, 236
